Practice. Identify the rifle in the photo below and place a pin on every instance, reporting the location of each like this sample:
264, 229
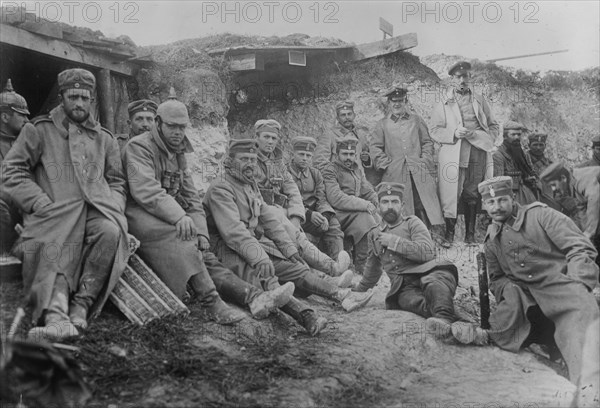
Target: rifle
484, 296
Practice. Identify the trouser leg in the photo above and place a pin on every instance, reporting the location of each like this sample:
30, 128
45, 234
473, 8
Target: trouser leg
331, 241
58, 308
474, 174
418, 205
228, 285
411, 297
312, 255
438, 288
101, 244
9, 218
305, 281
361, 252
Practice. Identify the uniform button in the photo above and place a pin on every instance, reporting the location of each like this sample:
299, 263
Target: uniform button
522, 264
529, 276
78, 131
510, 242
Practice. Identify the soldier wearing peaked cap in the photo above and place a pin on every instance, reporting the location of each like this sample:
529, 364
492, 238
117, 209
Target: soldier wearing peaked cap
343, 129
142, 115
595, 160
402, 149
538, 160
542, 272
13, 116
510, 160
402, 247
320, 216
464, 125
83, 212
352, 197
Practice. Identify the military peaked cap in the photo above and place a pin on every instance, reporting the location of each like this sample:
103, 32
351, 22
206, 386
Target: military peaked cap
459, 66
143, 105
304, 143
387, 188
76, 78
495, 187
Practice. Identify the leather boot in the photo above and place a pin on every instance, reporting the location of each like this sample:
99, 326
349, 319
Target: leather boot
361, 252
312, 284
470, 220
220, 313
265, 303
449, 233
313, 256
305, 316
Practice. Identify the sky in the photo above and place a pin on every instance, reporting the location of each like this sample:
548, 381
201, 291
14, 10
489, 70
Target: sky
474, 29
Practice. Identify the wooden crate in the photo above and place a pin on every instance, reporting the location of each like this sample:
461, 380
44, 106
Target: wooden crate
142, 296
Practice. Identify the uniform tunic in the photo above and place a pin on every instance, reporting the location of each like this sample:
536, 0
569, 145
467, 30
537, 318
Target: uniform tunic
9, 212
349, 193
412, 255
74, 167
542, 260
402, 148
504, 165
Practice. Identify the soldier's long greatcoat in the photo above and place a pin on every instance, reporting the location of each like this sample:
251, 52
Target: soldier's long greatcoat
152, 212
542, 259
445, 119
585, 188
75, 166
403, 148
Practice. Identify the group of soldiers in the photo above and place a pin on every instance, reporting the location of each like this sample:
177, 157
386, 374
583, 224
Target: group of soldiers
270, 231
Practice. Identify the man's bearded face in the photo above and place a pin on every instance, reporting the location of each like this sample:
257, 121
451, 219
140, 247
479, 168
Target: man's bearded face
346, 117
537, 148
390, 208
246, 164
513, 137
347, 157
77, 104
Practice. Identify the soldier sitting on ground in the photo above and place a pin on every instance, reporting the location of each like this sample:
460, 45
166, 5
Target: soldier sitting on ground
402, 246
142, 114
166, 214
542, 272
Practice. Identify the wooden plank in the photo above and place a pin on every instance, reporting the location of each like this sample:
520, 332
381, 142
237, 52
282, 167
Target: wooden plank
105, 92
247, 62
63, 50
527, 55
244, 49
383, 47
386, 27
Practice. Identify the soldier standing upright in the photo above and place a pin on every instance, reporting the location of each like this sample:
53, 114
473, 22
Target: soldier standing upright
13, 116
465, 126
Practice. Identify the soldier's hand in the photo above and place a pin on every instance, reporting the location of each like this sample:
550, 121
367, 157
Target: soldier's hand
296, 222
203, 243
371, 209
386, 239
318, 219
186, 230
265, 268
461, 132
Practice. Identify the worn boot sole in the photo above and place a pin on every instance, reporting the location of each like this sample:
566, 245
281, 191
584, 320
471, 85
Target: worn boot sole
439, 328
53, 332
468, 333
342, 264
356, 300
268, 302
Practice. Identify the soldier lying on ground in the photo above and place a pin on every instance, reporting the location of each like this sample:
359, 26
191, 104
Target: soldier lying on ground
165, 213
235, 210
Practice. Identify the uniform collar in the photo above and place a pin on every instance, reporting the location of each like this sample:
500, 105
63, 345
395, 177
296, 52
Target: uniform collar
63, 123
296, 171
277, 154
518, 214
5, 135
395, 118
385, 226
344, 130
187, 146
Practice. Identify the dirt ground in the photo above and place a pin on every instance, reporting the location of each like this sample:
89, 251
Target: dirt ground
371, 357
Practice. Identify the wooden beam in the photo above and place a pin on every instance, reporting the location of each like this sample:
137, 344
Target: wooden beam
105, 93
527, 55
63, 50
383, 47
247, 62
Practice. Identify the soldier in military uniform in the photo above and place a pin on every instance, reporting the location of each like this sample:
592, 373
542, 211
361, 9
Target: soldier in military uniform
578, 193
320, 216
279, 189
247, 236
64, 173
542, 273
402, 149
353, 198
464, 125
537, 159
141, 119
595, 160
343, 129
510, 160
13, 116
402, 246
